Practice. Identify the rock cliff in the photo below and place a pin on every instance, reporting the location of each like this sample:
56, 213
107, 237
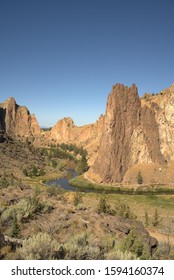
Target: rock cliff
87, 136
16, 120
131, 135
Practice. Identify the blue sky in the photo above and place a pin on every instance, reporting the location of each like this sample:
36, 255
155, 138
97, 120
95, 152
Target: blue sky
61, 57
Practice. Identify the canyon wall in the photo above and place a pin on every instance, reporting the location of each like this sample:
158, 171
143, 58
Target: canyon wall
16, 120
136, 132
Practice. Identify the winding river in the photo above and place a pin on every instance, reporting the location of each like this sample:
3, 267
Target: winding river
64, 182
71, 173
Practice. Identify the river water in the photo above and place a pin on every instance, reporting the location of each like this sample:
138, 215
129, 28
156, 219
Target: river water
64, 182
71, 173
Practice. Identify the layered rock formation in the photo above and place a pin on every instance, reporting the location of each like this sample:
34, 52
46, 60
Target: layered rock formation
16, 120
130, 136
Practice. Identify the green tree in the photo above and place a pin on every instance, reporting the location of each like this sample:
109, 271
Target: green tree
139, 178
77, 199
156, 218
103, 206
146, 218
16, 230
54, 163
136, 245
82, 165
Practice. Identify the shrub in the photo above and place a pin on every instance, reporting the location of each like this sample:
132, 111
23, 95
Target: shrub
103, 206
116, 254
54, 163
82, 247
82, 165
52, 190
38, 247
136, 245
146, 217
124, 211
156, 218
4, 183
16, 230
77, 199
139, 178
32, 205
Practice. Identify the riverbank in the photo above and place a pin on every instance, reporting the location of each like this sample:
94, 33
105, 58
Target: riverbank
82, 183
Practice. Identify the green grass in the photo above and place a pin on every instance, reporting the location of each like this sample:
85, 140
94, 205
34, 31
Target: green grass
82, 183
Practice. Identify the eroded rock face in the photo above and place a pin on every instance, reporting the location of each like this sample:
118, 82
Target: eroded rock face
16, 120
163, 107
87, 136
130, 136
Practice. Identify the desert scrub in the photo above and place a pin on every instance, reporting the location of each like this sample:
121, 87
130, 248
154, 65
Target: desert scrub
16, 229
53, 191
103, 206
77, 198
156, 218
83, 247
124, 211
39, 247
116, 254
24, 210
165, 251
136, 245
4, 182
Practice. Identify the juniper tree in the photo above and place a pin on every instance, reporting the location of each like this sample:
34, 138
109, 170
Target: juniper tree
139, 178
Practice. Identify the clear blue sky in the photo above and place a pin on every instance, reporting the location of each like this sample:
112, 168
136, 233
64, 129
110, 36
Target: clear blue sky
61, 57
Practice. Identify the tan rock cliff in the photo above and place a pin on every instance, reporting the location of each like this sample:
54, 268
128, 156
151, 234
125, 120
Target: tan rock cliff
130, 136
87, 136
16, 120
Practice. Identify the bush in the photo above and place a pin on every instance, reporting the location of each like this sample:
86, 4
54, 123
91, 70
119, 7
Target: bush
38, 247
136, 245
82, 165
33, 171
82, 247
77, 199
54, 163
139, 178
156, 218
16, 230
124, 211
32, 205
146, 217
116, 254
4, 183
103, 207
52, 190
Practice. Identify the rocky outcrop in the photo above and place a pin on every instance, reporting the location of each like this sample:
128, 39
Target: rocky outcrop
16, 120
130, 136
163, 106
87, 136
124, 226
